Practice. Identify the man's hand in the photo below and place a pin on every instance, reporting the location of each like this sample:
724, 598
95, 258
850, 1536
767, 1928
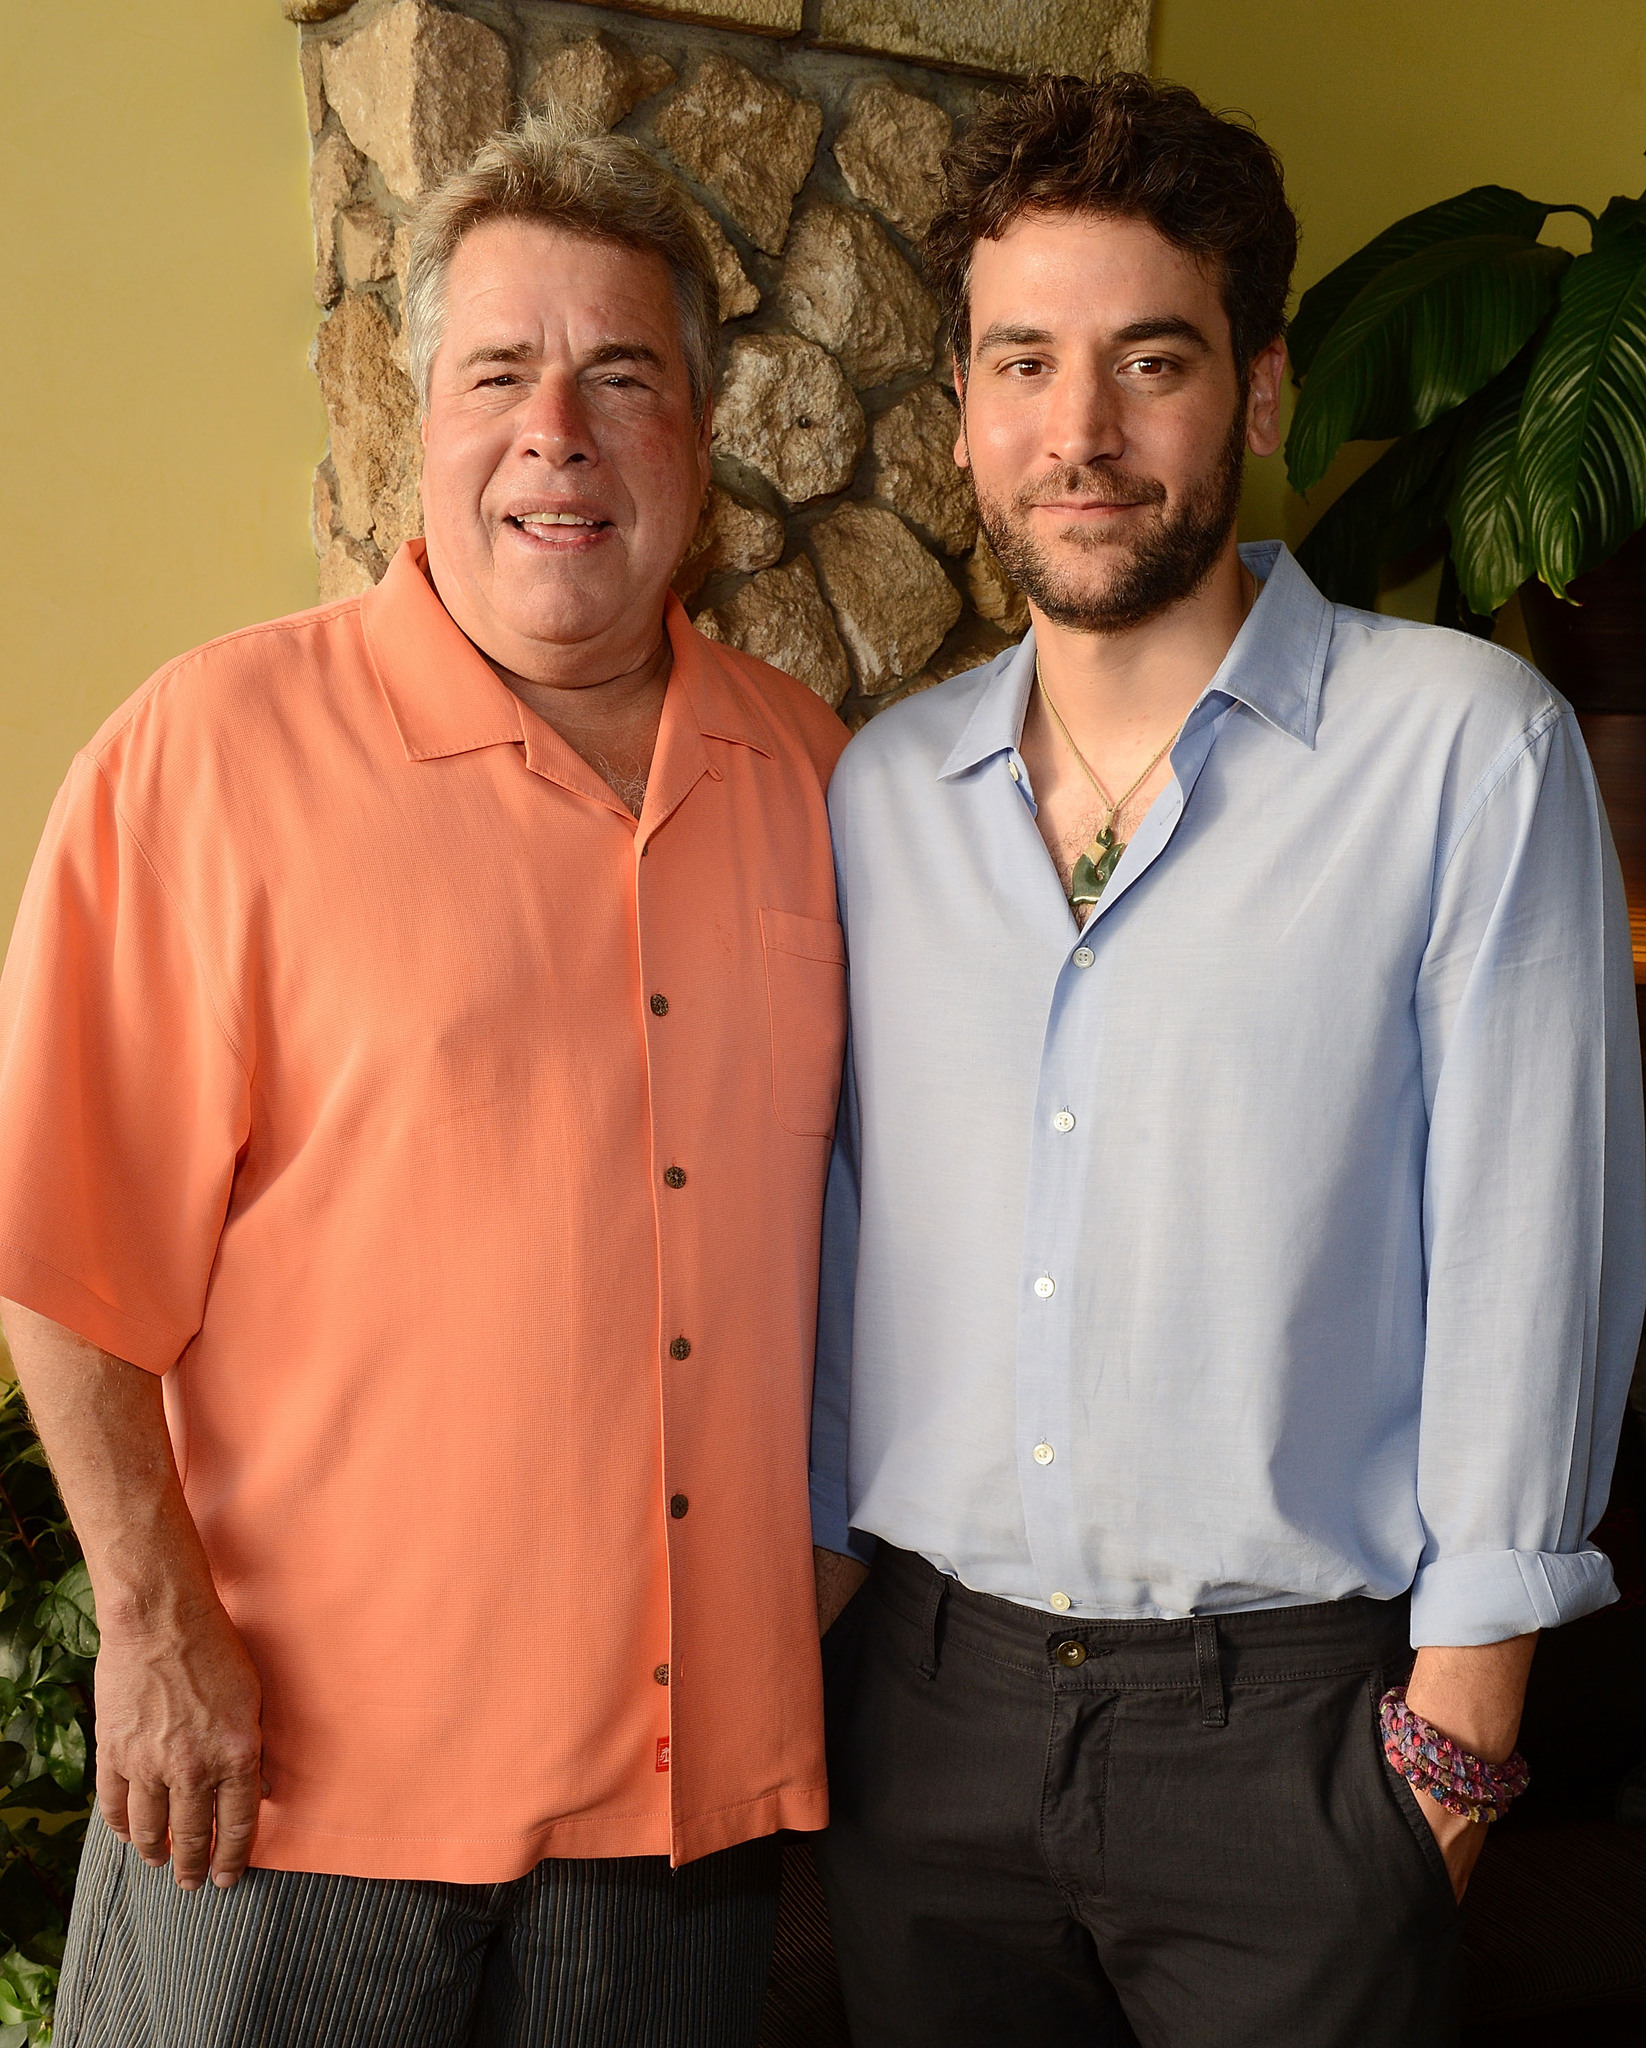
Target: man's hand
838, 1578
179, 1748
179, 1752
1474, 1696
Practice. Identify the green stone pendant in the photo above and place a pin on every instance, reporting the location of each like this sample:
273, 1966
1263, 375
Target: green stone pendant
1094, 867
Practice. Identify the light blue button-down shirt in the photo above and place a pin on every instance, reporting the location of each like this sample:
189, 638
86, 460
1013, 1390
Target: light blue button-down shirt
1278, 1237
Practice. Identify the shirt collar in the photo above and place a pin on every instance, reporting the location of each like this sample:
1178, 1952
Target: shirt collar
1275, 665
446, 699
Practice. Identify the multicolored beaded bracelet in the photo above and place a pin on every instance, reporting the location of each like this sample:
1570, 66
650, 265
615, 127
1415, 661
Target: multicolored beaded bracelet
1453, 1777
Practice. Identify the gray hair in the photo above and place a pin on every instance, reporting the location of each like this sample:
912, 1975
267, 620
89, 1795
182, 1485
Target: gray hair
603, 187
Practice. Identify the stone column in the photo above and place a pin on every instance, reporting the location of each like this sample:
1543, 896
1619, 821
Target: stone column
839, 541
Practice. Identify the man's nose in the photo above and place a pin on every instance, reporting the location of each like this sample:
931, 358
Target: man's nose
555, 425
1085, 420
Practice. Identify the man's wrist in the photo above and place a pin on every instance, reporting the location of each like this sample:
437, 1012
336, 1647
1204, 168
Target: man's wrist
143, 1613
838, 1578
1474, 1695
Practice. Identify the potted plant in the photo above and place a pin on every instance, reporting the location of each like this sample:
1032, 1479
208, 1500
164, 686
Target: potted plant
1511, 379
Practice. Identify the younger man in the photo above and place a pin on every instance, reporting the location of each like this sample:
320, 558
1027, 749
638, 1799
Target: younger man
1233, 1252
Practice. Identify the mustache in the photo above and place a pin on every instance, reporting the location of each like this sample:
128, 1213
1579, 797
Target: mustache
1105, 482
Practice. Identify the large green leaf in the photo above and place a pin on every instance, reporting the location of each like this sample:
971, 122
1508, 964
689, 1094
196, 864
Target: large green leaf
1621, 217
1489, 549
1486, 210
1580, 459
1453, 609
27, 1995
1424, 335
68, 1614
1395, 507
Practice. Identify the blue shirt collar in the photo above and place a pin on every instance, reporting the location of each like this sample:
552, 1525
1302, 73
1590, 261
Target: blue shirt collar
1275, 665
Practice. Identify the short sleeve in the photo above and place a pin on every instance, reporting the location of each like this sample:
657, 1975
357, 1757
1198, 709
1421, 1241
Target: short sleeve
123, 1098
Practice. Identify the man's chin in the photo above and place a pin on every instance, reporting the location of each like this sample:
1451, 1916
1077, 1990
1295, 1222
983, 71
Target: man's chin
1092, 585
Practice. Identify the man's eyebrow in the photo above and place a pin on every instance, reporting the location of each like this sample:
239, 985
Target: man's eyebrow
1164, 327
499, 352
625, 352
528, 351
1158, 327
1003, 335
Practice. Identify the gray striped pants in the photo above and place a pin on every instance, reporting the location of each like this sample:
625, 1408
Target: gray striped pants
614, 1953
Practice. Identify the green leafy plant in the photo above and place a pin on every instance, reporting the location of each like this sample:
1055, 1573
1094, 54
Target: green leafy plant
48, 1641
1510, 378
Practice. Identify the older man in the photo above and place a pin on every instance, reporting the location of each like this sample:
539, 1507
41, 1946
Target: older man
418, 1052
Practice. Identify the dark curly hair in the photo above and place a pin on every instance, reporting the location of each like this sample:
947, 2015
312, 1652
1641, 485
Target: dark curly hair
1122, 144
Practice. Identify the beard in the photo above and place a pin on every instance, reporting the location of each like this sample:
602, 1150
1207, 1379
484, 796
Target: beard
1131, 580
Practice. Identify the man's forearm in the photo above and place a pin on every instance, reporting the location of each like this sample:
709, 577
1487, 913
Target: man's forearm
103, 1425
179, 1738
1475, 1696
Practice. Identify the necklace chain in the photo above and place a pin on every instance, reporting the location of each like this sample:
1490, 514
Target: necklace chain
1094, 867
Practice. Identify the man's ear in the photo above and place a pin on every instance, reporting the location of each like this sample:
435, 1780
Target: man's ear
962, 454
1263, 398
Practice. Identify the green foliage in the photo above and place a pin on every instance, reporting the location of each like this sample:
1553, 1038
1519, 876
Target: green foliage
1489, 553
1417, 340
1580, 461
1487, 210
48, 1640
1398, 505
1512, 381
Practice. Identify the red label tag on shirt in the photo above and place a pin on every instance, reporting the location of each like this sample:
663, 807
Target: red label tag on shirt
662, 1752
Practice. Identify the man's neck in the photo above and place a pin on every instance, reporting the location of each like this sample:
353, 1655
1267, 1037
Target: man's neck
612, 723
1113, 686
1120, 698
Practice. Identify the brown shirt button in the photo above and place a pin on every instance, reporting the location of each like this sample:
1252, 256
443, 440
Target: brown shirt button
660, 1006
681, 1348
1071, 1654
675, 1176
678, 1505
661, 1674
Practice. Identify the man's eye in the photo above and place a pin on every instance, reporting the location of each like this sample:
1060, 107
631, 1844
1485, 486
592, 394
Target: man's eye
1151, 366
502, 377
1026, 366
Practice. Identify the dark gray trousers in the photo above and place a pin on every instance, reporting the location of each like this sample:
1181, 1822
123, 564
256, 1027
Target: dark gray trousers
1176, 1834
614, 1953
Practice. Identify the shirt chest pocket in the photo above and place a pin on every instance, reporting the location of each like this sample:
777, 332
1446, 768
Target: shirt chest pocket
806, 989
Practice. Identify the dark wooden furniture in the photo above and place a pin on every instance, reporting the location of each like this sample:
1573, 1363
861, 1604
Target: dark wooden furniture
1617, 745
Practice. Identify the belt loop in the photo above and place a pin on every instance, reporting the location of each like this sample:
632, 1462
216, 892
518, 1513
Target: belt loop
1209, 1671
936, 1593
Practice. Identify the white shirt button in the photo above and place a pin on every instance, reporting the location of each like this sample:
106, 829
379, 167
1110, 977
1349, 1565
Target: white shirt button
1064, 1120
1062, 1602
1014, 771
1045, 1287
1044, 1454
1083, 956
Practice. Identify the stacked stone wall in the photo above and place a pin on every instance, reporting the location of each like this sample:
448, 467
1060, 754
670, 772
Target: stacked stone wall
839, 540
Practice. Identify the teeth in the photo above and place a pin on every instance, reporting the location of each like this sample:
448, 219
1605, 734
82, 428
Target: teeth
555, 519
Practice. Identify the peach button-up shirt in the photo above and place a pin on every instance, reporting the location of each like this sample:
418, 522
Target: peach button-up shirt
454, 1145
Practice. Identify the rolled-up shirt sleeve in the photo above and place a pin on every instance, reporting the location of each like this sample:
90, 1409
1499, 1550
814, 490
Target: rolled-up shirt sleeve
1534, 1199
123, 1099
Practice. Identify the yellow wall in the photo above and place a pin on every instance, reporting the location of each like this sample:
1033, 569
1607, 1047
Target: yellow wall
158, 423
1378, 107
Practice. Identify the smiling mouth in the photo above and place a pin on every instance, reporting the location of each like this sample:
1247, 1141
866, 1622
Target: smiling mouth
556, 522
1095, 505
